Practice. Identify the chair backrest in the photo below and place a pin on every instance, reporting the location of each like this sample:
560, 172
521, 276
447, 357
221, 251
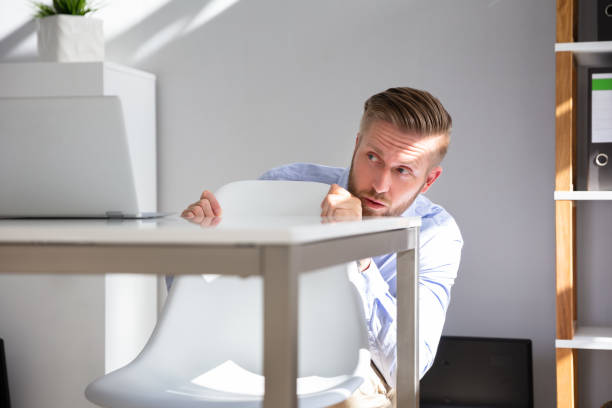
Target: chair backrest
271, 197
205, 323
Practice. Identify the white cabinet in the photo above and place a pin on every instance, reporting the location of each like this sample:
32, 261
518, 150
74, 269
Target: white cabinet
135, 89
89, 325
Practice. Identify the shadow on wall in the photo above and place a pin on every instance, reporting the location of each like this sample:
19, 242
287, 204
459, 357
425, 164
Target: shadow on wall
240, 81
225, 71
12, 41
167, 24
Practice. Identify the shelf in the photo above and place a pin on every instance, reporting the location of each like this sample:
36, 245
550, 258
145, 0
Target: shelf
583, 195
591, 54
589, 337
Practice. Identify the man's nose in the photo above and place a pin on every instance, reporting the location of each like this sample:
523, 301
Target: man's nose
382, 181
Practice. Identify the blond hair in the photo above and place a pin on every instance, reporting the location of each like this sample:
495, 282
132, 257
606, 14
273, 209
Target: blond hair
411, 111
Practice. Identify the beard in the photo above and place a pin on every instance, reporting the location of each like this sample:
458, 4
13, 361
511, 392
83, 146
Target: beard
392, 211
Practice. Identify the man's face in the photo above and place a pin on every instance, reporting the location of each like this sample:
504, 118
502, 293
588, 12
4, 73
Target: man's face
390, 168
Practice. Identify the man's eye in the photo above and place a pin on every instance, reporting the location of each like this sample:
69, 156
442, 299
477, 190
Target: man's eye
402, 170
371, 157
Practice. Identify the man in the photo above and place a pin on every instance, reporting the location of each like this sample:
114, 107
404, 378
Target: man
403, 137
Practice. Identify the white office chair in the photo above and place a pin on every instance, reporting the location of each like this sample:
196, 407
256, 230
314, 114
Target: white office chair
206, 350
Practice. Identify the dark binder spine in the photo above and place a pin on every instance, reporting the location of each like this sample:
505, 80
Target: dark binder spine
604, 20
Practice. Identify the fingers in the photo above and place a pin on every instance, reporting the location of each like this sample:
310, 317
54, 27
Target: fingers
346, 213
189, 212
207, 206
337, 190
203, 221
328, 203
196, 209
340, 203
325, 207
193, 214
209, 222
216, 207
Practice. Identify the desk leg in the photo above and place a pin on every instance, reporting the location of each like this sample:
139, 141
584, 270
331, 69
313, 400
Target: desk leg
408, 324
280, 328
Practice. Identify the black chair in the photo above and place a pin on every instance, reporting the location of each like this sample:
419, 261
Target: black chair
5, 400
479, 372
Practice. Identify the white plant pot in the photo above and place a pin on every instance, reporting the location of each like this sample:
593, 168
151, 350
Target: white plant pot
66, 38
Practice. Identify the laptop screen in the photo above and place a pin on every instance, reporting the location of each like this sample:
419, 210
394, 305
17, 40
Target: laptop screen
479, 372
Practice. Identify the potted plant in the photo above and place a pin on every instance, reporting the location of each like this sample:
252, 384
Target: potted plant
67, 34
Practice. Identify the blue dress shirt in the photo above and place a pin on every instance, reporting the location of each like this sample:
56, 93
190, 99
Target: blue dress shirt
440, 252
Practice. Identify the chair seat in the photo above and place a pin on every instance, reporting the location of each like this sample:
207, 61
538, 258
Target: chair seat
227, 385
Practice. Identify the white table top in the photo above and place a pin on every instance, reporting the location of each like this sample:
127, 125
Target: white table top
176, 230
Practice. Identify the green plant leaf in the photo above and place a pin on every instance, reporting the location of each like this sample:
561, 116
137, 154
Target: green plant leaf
81, 6
43, 10
59, 7
71, 7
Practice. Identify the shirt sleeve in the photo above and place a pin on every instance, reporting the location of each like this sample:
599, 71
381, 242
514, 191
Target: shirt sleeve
304, 172
380, 306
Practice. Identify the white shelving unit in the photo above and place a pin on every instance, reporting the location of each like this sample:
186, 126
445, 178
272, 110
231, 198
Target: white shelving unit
590, 54
583, 195
570, 335
586, 337
589, 337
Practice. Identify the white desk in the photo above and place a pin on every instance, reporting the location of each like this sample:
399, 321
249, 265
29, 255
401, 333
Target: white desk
278, 248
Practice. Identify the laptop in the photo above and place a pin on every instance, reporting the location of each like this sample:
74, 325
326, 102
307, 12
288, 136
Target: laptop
66, 157
479, 372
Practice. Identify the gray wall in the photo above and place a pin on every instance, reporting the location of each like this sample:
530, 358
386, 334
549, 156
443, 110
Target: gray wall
267, 82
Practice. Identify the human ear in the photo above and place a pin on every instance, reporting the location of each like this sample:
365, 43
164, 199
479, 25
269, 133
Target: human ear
431, 177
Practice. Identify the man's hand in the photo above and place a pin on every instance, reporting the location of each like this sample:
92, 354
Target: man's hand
340, 203
206, 207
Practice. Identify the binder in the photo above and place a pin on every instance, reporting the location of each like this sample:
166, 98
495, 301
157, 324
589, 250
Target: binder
600, 130
604, 20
